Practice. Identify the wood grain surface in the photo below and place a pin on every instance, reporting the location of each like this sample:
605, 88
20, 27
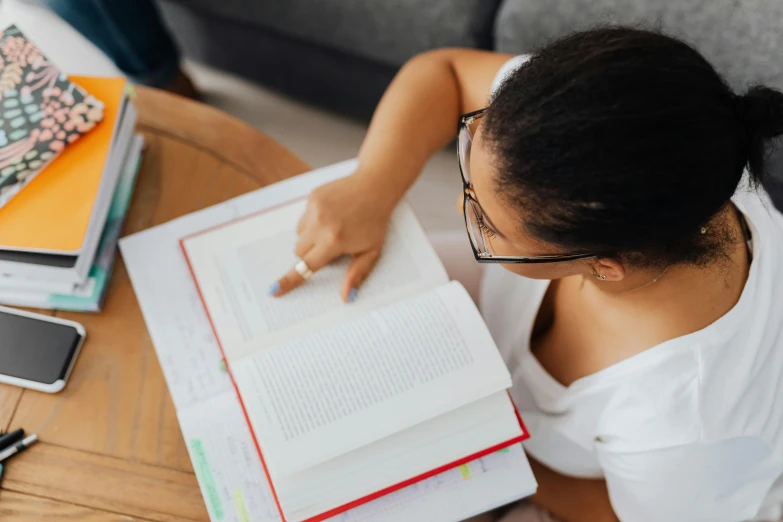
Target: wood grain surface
17, 507
111, 446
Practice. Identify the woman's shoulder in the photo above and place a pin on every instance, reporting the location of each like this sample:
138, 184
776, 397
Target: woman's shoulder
654, 400
720, 382
697, 390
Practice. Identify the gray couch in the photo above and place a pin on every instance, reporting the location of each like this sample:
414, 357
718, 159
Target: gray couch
341, 54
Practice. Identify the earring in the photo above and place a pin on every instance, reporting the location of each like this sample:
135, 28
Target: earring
602, 277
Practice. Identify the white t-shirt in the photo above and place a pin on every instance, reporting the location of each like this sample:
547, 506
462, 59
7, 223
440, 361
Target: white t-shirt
689, 430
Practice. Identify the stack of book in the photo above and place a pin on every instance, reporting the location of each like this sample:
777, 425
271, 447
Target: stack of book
68, 164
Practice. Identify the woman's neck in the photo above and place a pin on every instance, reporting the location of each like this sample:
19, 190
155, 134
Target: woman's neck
722, 280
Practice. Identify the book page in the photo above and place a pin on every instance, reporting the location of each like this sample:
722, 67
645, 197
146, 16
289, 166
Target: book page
433, 444
458, 494
235, 488
234, 266
325, 393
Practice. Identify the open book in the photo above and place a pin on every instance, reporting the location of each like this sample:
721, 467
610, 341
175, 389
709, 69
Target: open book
348, 402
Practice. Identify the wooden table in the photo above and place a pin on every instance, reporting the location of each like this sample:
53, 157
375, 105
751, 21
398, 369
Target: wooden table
111, 448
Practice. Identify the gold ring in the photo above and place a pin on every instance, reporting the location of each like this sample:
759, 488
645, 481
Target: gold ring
303, 270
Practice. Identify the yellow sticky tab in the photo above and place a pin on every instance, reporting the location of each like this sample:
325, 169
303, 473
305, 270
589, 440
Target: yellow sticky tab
239, 502
130, 91
464, 470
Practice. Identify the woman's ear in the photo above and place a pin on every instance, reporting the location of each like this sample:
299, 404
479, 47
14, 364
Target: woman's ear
609, 269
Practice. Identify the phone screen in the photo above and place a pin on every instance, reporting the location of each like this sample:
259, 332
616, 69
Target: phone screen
34, 349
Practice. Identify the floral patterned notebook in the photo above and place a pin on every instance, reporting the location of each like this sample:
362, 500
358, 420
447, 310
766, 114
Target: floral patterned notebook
41, 112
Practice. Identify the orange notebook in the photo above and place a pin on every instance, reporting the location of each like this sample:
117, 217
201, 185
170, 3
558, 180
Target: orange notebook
53, 211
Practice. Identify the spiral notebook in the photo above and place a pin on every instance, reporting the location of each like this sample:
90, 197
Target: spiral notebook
41, 112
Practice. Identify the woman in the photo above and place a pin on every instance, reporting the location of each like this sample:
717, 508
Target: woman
644, 334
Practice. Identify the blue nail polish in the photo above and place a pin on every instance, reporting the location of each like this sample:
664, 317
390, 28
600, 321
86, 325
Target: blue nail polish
352, 295
273, 288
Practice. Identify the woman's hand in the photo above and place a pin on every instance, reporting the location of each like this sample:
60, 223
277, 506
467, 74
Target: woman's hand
347, 216
416, 117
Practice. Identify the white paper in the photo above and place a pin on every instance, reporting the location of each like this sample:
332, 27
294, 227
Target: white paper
471, 489
178, 325
209, 410
235, 488
235, 265
395, 459
315, 397
226, 461
251, 254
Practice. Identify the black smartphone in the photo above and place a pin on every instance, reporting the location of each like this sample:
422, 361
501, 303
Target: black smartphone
37, 351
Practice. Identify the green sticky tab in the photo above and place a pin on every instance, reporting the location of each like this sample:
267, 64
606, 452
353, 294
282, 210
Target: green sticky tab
504, 450
464, 470
222, 365
204, 473
130, 91
239, 502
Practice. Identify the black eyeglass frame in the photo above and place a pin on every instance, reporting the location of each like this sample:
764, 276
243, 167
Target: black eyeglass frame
465, 121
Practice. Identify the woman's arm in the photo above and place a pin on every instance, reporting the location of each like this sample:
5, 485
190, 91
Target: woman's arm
418, 114
572, 499
416, 118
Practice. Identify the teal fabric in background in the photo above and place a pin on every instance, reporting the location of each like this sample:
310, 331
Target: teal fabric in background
130, 32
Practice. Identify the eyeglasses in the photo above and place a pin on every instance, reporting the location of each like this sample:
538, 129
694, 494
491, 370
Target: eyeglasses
479, 232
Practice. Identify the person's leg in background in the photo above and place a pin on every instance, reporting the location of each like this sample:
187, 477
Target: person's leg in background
133, 35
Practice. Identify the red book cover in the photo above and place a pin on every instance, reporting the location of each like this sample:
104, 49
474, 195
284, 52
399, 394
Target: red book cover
359, 501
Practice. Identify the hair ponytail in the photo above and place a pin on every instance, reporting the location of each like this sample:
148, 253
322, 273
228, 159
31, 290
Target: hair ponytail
761, 114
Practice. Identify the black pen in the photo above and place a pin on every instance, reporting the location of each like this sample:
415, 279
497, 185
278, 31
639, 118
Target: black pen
11, 437
18, 447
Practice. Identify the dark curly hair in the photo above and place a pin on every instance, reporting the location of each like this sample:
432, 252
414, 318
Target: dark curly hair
626, 143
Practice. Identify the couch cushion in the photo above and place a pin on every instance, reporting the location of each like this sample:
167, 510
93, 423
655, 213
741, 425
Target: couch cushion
388, 31
320, 75
741, 38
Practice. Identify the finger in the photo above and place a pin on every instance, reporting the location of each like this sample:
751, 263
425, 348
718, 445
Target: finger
304, 221
316, 258
303, 245
359, 269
